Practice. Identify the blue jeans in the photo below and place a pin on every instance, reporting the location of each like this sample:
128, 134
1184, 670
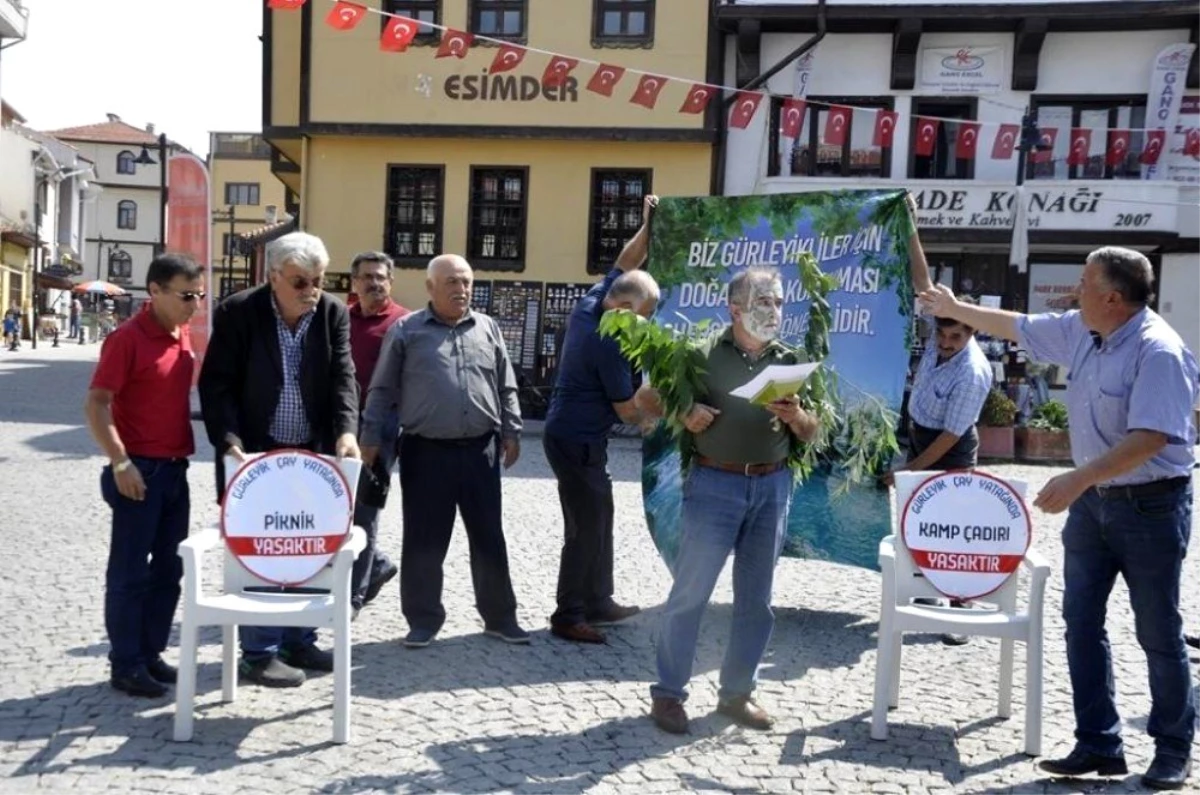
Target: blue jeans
724, 512
260, 643
141, 583
1144, 539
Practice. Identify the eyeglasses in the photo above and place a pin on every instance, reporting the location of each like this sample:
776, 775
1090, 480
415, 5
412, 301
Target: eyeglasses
303, 283
187, 296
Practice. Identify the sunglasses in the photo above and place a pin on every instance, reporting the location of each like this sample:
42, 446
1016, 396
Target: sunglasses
187, 296
303, 283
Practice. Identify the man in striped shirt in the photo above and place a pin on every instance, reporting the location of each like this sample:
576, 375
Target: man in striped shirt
949, 389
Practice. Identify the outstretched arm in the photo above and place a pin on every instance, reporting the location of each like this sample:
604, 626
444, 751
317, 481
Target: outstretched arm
939, 301
917, 265
634, 253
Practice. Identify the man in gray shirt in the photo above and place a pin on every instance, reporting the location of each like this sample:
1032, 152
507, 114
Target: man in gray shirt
445, 369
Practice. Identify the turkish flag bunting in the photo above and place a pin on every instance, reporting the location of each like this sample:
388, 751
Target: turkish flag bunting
926, 136
605, 79
456, 43
557, 70
836, 124
398, 34
509, 57
885, 128
647, 90
1006, 141
744, 109
285, 5
1191, 142
1046, 139
1118, 147
968, 140
791, 118
697, 98
345, 16
1154, 146
1081, 145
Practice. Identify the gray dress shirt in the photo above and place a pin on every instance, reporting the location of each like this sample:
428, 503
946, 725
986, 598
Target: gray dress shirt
446, 382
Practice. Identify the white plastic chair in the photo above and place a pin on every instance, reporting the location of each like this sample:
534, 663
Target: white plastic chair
903, 581
232, 605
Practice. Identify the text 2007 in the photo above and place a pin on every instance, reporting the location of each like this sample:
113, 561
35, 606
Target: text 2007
1132, 219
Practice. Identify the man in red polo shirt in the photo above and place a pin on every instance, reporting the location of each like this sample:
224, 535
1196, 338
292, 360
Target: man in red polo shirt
138, 411
370, 318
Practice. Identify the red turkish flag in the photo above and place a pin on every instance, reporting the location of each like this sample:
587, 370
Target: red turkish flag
744, 109
1191, 142
1118, 147
398, 34
836, 124
1081, 145
285, 5
697, 98
605, 79
647, 90
1046, 138
791, 118
1154, 146
885, 127
557, 71
1006, 141
456, 43
509, 57
345, 16
926, 136
968, 140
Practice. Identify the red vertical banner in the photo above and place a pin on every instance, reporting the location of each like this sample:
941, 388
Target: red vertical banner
189, 231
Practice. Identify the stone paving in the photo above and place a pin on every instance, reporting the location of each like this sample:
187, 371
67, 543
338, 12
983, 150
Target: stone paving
472, 715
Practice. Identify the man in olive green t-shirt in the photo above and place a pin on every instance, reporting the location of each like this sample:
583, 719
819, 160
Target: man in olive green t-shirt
735, 498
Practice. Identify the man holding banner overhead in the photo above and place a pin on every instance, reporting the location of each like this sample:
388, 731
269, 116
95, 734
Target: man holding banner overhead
1130, 394
736, 496
950, 387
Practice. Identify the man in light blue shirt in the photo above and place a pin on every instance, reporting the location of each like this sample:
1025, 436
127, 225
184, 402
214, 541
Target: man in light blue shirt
1131, 387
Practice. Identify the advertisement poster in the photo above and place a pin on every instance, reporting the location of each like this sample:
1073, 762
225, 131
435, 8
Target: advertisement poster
963, 70
697, 244
1052, 286
188, 229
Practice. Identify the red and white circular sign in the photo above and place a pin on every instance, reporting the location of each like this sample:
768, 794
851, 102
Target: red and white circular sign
966, 531
285, 514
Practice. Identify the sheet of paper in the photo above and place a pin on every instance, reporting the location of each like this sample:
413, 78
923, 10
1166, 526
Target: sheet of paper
775, 382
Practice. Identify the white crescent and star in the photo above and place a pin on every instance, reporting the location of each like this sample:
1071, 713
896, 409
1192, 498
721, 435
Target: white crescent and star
1153, 145
607, 75
456, 44
401, 30
1119, 144
926, 132
792, 117
969, 136
747, 106
886, 124
1047, 139
1007, 139
349, 14
839, 121
510, 57
649, 85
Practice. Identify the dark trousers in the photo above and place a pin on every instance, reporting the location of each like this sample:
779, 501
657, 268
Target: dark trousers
436, 478
585, 571
963, 455
144, 569
372, 561
1144, 539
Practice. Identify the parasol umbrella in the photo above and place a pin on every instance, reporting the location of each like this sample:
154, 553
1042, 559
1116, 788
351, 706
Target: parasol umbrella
99, 287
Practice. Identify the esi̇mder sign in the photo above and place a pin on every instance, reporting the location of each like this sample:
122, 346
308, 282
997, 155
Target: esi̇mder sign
285, 514
967, 532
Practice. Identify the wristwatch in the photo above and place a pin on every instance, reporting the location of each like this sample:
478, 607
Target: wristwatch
122, 466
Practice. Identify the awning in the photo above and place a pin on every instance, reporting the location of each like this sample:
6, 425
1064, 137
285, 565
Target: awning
56, 277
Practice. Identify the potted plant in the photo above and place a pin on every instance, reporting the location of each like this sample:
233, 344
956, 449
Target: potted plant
1045, 436
996, 437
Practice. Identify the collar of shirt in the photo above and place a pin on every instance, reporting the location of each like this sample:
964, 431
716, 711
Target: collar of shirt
357, 311
432, 317
301, 325
150, 326
1117, 338
774, 347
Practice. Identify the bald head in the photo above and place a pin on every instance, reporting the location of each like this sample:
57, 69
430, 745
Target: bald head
636, 291
448, 281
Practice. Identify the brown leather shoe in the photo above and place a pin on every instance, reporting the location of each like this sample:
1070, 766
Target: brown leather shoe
613, 615
669, 715
580, 632
743, 711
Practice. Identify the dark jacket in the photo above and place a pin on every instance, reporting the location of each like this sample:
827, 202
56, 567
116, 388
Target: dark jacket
242, 374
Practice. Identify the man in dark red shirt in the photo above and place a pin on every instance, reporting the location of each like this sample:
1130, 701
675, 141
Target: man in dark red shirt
370, 318
138, 411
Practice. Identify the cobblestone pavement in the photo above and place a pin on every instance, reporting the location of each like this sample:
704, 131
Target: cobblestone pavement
472, 715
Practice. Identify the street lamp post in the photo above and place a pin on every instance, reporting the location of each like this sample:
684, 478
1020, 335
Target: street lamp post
146, 160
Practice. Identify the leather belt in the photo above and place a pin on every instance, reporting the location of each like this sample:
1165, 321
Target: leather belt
748, 470
1152, 489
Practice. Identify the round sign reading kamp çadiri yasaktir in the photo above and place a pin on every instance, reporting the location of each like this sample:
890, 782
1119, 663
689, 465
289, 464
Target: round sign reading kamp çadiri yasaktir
285, 514
966, 531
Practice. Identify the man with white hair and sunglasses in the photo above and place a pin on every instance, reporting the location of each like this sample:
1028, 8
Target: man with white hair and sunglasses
278, 374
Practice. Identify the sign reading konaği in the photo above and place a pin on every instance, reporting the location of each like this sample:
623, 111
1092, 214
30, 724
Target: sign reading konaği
966, 531
285, 514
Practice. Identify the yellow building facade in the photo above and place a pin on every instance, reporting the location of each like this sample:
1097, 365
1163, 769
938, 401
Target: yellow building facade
418, 155
245, 197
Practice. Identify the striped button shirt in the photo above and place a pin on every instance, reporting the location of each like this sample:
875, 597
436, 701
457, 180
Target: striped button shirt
950, 395
290, 423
